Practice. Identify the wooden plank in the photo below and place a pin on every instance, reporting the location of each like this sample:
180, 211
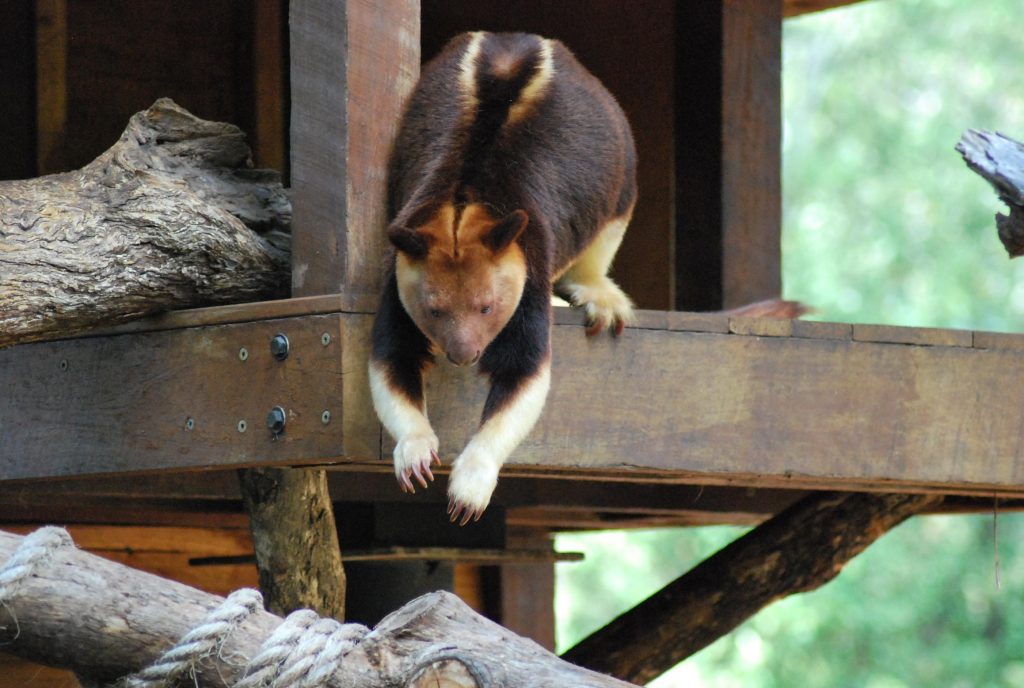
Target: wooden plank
751, 151
811, 329
177, 398
167, 551
269, 68
727, 153
145, 539
245, 312
696, 407
352, 65
793, 8
761, 327
17, 82
921, 336
26, 674
769, 411
51, 85
998, 340
698, 322
527, 590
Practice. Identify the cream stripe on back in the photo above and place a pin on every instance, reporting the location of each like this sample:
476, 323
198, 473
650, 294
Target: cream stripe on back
533, 90
467, 73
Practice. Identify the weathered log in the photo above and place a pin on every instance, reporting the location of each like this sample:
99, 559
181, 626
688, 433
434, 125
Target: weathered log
103, 620
161, 220
1000, 160
798, 550
296, 540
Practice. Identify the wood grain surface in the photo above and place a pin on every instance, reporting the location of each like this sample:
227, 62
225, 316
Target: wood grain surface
908, 410
123, 403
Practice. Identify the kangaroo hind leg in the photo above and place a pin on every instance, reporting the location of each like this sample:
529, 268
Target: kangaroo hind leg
585, 284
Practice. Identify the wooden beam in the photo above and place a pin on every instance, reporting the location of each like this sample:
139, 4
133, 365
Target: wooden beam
799, 550
51, 85
793, 8
187, 398
352, 65
668, 405
727, 153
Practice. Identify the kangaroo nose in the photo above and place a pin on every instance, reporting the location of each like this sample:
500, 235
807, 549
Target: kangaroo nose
464, 358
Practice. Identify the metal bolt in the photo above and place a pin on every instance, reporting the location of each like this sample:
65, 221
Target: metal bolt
325, 338
325, 417
242, 426
189, 424
279, 347
243, 354
64, 364
276, 420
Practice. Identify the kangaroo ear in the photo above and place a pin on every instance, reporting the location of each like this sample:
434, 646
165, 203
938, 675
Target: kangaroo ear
506, 231
408, 241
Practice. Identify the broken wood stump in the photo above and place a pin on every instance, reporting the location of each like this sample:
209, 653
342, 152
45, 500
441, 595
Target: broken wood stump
798, 550
112, 621
171, 216
1000, 160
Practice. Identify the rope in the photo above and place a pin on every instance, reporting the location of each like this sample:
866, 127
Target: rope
199, 643
34, 548
303, 652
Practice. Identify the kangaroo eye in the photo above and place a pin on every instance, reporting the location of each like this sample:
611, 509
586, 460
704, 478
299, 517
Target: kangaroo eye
485, 310
435, 313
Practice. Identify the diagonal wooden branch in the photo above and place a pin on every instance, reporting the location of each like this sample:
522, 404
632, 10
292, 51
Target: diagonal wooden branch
798, 550
162, 220
104, 620
1000, 160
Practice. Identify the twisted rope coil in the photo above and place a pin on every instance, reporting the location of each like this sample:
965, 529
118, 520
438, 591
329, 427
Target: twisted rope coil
201, 642
303, 652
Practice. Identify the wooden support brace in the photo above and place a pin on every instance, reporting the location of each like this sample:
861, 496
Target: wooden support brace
352, 64
798, 550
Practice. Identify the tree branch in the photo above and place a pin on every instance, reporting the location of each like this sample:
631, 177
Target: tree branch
798, 550
103, 620
1000, 160
162, 220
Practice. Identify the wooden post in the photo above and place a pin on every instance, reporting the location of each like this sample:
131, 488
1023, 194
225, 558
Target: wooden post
352, 65
727, 142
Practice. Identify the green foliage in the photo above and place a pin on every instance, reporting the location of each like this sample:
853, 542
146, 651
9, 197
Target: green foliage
882, 223
882, 220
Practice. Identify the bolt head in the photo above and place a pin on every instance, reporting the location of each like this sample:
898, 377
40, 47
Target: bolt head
279, 347
276, 420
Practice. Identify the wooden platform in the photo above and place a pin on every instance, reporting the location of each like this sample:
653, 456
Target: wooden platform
682, 399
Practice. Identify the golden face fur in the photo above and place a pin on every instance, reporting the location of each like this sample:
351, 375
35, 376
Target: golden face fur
466, 287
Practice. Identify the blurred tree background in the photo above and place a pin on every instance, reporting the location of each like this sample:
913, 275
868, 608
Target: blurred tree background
882, 223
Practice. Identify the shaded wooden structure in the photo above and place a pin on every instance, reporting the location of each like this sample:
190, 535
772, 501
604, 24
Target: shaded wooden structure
688, 419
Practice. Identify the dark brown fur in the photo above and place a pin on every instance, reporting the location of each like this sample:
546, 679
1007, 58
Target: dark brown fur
564, 160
